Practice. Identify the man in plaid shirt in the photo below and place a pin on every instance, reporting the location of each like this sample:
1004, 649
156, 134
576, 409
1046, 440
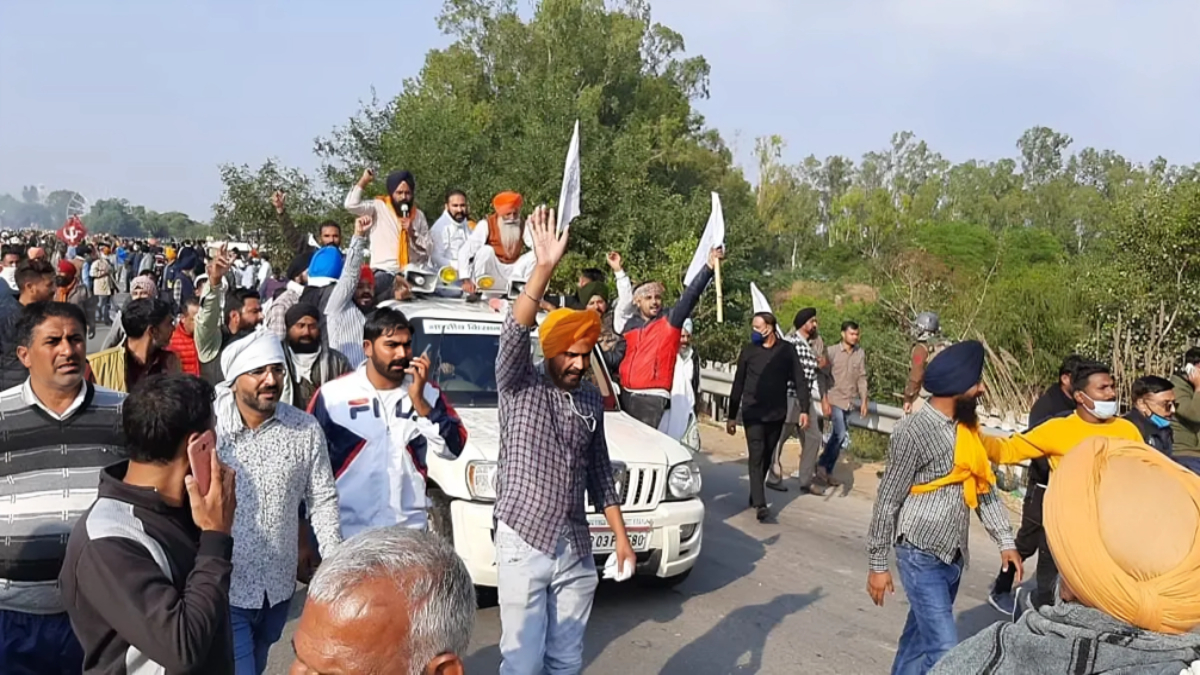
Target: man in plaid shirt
552, 448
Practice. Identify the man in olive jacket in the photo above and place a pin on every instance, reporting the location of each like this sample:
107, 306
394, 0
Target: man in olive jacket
1186, 424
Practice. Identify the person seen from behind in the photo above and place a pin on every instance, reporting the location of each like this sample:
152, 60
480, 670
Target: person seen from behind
1130, 577
146, 575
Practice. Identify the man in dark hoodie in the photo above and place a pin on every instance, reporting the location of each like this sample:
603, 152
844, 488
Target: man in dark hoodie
146, 575
1129, 577
1152, 411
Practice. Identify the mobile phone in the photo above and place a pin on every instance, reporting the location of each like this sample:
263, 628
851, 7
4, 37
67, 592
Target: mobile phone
200, 453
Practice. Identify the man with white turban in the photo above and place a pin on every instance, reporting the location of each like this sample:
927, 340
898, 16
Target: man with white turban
1121, 519
281, 458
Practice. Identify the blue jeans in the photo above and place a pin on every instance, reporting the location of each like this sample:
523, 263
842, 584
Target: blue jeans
931, 586
837, 437
38, 644
254, 631
544, 605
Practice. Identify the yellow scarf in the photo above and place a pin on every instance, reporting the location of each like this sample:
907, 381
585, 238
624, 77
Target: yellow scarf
971, 468
402, 254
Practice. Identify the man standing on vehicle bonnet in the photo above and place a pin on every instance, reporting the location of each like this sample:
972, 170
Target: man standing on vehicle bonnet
552, 447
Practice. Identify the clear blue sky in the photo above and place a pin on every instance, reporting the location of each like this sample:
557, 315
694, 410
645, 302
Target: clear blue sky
144, 99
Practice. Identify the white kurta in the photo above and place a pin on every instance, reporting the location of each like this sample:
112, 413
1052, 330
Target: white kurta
683, 400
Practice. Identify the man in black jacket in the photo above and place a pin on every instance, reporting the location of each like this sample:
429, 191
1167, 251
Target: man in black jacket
1056, 401
146, 575
765, 368
1152, 412
35, 283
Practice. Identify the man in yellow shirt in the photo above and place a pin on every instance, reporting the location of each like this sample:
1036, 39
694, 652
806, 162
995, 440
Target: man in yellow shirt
1096, 408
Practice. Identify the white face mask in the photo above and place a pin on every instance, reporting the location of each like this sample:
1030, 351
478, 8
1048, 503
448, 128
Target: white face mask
1102, 409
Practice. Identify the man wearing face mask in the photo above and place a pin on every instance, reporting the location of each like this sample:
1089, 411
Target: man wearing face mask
401, 234
1096, 408
937, 473
1153, 408
766, 369
382, 421
279, 454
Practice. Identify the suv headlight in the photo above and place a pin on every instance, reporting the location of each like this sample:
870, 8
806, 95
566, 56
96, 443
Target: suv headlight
684, 480
481, 480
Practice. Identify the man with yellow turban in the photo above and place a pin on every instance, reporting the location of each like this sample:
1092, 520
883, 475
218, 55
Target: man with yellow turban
552, 449
937, 473
1122, 521
496, 250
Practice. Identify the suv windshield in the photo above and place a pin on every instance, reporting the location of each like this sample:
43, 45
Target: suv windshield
463, 359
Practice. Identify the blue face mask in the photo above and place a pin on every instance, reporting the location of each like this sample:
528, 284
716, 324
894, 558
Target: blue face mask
1160, 421
757, 338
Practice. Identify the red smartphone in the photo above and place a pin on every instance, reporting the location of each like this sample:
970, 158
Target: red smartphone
200, 453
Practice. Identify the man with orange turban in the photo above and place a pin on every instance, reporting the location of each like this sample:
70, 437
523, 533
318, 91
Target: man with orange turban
552, 449
1121, 519
495, 251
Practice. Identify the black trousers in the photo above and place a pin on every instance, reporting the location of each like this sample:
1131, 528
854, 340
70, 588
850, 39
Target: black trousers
761, 439
645, 408
1031, 538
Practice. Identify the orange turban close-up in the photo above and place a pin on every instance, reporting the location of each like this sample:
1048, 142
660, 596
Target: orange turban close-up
1123, 522
562, 328
507, 203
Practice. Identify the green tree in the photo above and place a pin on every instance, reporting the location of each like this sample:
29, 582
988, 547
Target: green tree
113, 216
244, 211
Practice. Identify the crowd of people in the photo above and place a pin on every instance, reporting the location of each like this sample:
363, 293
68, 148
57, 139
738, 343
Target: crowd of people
245, 427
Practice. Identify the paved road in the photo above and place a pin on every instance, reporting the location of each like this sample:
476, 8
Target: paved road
772, 599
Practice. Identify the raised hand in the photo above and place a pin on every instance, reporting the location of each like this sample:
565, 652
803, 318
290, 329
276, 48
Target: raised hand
277, 201
367, 176
614, 261
219, 265
362, 226
715, 255
548, 244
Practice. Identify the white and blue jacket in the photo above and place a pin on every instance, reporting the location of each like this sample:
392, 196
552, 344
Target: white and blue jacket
378, 456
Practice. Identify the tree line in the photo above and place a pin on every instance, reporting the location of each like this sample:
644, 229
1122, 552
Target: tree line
104, 216
1051, 251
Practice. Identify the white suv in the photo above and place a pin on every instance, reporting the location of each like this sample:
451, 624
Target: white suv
657, 478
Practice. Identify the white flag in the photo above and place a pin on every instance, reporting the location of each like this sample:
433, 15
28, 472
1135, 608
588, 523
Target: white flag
568, 196
760, 304
713, 237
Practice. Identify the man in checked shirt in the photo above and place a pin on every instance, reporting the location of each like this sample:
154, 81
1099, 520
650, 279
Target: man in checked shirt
552, 448
937, 473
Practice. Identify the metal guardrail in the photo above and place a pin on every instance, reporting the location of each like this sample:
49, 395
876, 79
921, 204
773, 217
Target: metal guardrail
716, 383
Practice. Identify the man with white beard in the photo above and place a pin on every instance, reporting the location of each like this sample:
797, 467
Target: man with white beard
495, 251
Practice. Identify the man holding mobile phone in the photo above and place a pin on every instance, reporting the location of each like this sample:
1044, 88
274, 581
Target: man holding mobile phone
382, 421
156, 540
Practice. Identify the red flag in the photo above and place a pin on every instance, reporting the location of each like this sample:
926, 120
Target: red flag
72, 232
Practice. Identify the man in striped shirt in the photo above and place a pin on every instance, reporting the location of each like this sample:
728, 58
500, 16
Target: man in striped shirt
57, 432
937, 473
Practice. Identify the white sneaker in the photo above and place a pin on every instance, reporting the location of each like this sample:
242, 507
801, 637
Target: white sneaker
795, 474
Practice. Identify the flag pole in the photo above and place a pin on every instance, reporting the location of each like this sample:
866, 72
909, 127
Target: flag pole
720, 294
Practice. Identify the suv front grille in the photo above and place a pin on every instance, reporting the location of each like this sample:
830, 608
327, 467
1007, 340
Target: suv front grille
641, 489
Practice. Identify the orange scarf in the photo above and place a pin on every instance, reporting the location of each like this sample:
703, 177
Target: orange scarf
402, 254
60, 294
972, 469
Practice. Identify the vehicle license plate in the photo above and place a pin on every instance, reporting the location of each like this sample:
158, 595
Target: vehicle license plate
604, 540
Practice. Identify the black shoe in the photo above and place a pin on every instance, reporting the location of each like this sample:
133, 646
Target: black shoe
763, 514
778, 487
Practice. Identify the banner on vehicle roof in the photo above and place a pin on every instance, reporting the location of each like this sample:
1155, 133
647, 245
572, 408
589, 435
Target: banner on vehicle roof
444, 327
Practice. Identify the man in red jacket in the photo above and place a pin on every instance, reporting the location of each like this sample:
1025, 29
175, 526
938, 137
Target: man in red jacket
651, 343
183, 342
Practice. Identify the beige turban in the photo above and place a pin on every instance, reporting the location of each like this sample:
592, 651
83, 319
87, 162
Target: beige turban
1123, 523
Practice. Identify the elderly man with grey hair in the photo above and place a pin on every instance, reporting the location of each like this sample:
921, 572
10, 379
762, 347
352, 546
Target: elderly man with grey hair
391, 601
